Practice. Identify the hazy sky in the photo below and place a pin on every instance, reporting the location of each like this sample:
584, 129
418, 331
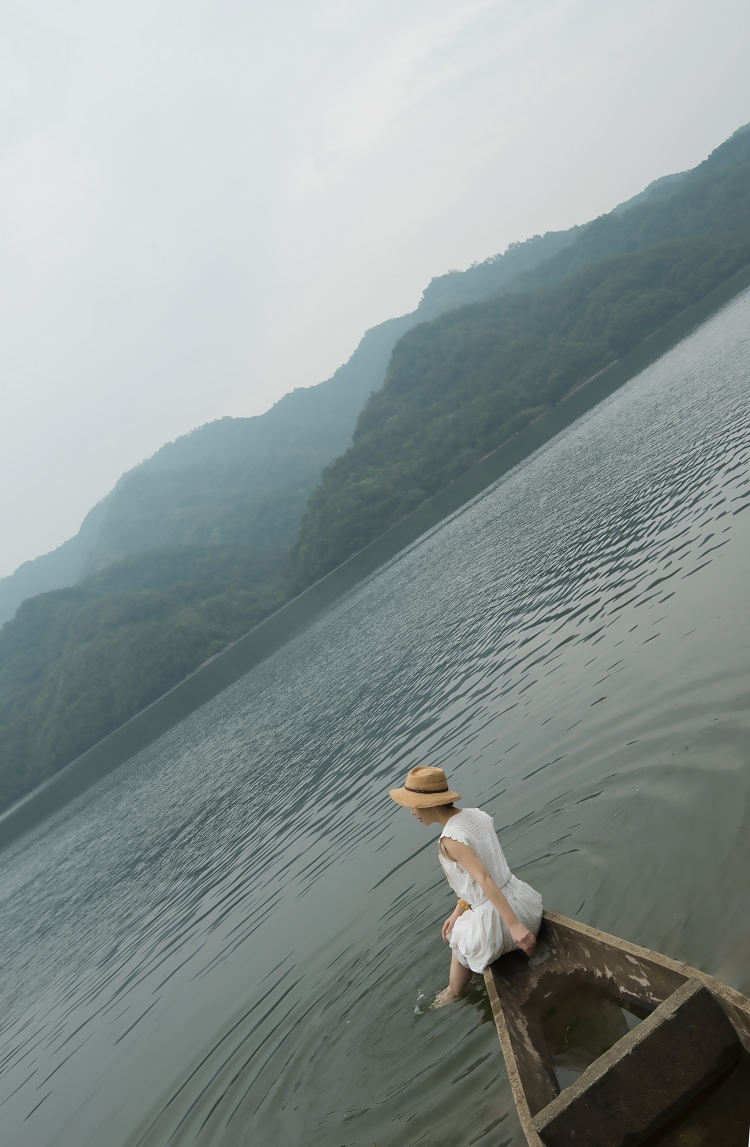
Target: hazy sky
205, 203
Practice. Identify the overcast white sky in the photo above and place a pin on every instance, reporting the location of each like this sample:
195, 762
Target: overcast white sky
205, 203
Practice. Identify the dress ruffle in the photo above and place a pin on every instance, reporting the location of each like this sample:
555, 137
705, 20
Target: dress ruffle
481, 935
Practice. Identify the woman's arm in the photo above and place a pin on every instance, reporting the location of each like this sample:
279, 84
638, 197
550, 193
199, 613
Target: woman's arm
448, 925
468, 859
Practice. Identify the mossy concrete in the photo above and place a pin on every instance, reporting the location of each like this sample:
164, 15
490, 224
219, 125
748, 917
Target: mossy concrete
647, 1076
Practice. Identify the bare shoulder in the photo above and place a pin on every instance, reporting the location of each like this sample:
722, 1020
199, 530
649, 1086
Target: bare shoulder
456, 850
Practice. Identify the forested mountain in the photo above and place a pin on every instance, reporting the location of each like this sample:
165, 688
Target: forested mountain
246, 481
192, 547
712, 199
458, 387
254, 475
235, 482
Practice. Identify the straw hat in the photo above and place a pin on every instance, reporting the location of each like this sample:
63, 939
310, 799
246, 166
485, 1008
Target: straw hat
424, 787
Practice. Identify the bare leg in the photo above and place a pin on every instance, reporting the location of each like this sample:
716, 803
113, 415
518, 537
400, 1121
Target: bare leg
460, 978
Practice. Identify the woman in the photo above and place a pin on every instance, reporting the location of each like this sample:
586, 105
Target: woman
495, 912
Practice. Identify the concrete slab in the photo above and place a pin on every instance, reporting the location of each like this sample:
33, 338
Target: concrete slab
646, 1077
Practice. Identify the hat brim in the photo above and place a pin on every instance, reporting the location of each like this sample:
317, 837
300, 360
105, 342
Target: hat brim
410, 799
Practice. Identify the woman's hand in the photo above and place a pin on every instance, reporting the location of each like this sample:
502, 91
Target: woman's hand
524, 939
448, 926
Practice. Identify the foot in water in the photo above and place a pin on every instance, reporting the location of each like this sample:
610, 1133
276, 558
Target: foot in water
442, 998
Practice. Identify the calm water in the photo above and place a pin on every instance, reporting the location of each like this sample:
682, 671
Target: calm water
231, 940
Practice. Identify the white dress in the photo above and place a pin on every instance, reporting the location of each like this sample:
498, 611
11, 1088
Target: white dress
480, 936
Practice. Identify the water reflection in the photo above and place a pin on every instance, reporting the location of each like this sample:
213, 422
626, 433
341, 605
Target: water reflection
229, 941
582, 1026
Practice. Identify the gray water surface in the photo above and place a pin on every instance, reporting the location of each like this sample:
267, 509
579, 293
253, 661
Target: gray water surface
233, 939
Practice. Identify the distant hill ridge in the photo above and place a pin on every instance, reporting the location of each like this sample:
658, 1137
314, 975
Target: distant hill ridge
277, 457
274, 459
247, 480
193, 546
458, 386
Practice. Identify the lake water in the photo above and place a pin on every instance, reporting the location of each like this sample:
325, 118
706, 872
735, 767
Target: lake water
232, 939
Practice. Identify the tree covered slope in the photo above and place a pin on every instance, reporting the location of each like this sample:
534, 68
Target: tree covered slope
77, 662
246, 481
712, 199
459, 386
234, 482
